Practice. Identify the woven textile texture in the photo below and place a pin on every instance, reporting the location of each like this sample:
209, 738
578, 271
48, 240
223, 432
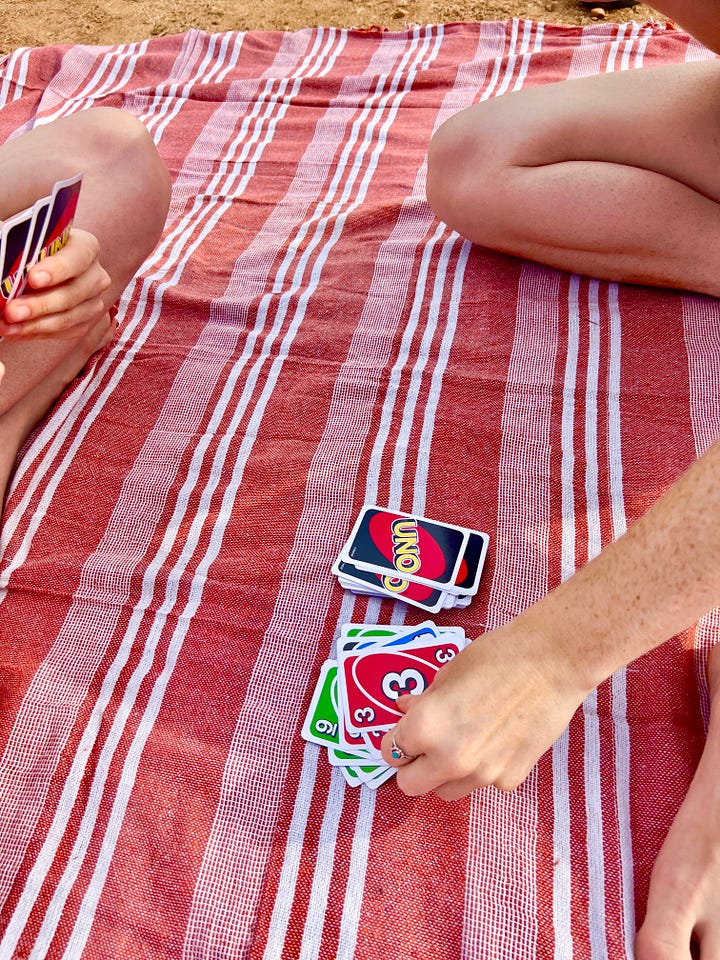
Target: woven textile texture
306, 338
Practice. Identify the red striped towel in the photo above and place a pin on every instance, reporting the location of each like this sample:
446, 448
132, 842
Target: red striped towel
306, 338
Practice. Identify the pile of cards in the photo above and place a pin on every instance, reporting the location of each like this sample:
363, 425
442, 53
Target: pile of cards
354, 703
429, 564
35, 233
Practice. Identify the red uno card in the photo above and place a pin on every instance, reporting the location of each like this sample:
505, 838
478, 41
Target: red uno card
471, 565
372, 681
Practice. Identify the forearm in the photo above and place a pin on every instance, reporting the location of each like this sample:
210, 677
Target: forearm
701, 18
649, 585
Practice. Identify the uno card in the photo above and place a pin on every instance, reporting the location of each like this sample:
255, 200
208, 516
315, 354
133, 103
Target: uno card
372, 681
373, 740
471, 565
15, 236
322, 722
396, 588
457, 600
368, 775
35, 233
341, 758
384, 773
404, 547
362, 636
348, 740
61, 213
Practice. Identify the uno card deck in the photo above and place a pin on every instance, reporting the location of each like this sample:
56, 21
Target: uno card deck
400, 546
353, 704
427, 563
35, 233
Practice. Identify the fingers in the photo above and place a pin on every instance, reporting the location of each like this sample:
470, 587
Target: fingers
77, 256
395, 754
424, 768
63, 298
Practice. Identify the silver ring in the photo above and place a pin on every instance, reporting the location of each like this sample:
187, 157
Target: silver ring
397, 753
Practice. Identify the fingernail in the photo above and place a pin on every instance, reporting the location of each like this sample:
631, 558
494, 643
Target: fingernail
20, 312
41, 278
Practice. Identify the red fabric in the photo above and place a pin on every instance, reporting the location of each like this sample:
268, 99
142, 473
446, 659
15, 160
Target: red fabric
307, 338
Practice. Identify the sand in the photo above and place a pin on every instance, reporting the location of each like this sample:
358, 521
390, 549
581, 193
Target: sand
43, 22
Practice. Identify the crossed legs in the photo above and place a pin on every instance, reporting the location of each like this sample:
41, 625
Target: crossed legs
123, 204
615, 176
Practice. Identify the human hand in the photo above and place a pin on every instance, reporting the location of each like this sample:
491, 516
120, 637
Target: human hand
63, 298
488, 716
682, 919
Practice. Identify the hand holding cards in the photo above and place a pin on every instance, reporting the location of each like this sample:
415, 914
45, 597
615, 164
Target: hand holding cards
354, 703
35, 233
428, 564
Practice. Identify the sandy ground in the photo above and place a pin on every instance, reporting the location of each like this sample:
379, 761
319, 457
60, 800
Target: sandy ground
42, 22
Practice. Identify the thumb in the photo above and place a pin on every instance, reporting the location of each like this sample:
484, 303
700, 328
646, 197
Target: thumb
404, 703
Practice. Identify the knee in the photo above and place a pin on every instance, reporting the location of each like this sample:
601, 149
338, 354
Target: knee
130, 164
444, 162
465, 173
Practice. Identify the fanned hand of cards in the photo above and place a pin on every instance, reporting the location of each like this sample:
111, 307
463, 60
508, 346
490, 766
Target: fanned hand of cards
353, 705
432, 565
35, 233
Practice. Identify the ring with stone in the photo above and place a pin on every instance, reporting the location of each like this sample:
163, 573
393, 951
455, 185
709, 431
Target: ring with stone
397, 753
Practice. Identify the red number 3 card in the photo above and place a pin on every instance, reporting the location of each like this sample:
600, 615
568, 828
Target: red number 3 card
374, 680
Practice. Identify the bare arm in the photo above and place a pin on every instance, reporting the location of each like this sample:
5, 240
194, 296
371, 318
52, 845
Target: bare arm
504, 700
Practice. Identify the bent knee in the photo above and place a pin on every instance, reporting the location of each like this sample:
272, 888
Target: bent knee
123, 144
467, 172
448, 158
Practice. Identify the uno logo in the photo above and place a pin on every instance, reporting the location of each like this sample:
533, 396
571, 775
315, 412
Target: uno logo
409, 547
394, 584
8, 284
57, 244
406, 589
406, 548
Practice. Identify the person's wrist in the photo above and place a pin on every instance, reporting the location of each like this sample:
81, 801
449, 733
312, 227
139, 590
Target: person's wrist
563, 649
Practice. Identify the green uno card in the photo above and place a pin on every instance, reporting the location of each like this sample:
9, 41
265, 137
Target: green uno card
321, 722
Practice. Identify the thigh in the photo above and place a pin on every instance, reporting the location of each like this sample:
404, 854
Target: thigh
31, 162
664, 119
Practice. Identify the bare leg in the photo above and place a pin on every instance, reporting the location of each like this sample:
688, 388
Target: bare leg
19, 420
123, 203
615, 176
684, 897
